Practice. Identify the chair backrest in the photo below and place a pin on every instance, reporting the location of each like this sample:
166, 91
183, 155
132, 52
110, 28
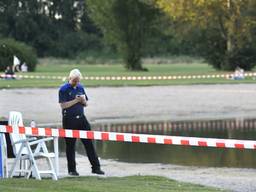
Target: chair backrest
15, 120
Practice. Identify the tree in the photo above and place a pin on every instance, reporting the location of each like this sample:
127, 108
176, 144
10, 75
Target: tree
46, 24
226, 28
126, 24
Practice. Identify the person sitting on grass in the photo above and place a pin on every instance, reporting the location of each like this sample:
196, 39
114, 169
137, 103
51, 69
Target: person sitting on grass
9, 73
239, 74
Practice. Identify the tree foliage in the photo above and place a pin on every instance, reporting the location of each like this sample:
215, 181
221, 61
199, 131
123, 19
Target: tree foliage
222, 31
226, 28
44, 24
126, 24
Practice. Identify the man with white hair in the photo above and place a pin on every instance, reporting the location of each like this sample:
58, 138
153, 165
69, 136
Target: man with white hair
73, 99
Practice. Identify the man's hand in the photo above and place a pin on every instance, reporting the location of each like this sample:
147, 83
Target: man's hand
79, 99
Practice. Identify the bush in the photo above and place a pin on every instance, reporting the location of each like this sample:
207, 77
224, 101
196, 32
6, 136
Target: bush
214, 49
245, 58
10, 47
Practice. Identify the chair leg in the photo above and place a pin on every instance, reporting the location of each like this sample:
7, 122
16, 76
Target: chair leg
49, 161
56, 158
30, 173
21, 166
35, 170
50, 164
33, 163
54, 175
28, 167
16, 161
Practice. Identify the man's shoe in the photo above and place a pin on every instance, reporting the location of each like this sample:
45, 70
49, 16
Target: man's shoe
98, 171
73, 173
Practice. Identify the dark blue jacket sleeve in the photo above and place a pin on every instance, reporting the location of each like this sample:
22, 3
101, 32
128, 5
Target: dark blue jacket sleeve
62, 96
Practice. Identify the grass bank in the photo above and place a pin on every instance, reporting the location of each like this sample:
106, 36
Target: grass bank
57, 67
101, 184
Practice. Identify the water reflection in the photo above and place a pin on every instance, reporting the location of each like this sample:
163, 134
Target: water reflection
183, 155
225, 128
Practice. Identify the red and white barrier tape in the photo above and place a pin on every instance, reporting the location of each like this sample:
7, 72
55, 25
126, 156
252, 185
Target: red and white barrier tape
131, 78
134, 138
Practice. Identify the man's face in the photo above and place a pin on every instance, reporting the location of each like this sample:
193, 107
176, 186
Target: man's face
74, 82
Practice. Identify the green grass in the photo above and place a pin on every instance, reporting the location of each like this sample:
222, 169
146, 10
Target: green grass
100, 184
47, 67
55, 67
36, 83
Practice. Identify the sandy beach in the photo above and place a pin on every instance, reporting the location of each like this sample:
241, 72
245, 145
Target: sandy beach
124, 104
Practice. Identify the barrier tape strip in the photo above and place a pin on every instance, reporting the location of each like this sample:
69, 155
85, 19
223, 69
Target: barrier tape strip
134, 138
131, 78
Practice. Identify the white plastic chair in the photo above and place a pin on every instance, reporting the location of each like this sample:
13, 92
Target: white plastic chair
26, 155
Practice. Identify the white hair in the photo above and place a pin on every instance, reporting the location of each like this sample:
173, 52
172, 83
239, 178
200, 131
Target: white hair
75, 73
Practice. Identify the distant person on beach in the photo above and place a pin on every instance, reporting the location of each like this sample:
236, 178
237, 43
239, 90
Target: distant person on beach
73, 99
239, 74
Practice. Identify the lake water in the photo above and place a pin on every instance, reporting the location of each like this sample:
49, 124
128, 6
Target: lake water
182, 155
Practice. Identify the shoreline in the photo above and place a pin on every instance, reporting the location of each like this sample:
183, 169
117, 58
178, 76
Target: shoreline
230, 179
234, 179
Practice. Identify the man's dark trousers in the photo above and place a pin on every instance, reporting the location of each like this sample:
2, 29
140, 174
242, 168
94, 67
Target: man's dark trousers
79, 122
